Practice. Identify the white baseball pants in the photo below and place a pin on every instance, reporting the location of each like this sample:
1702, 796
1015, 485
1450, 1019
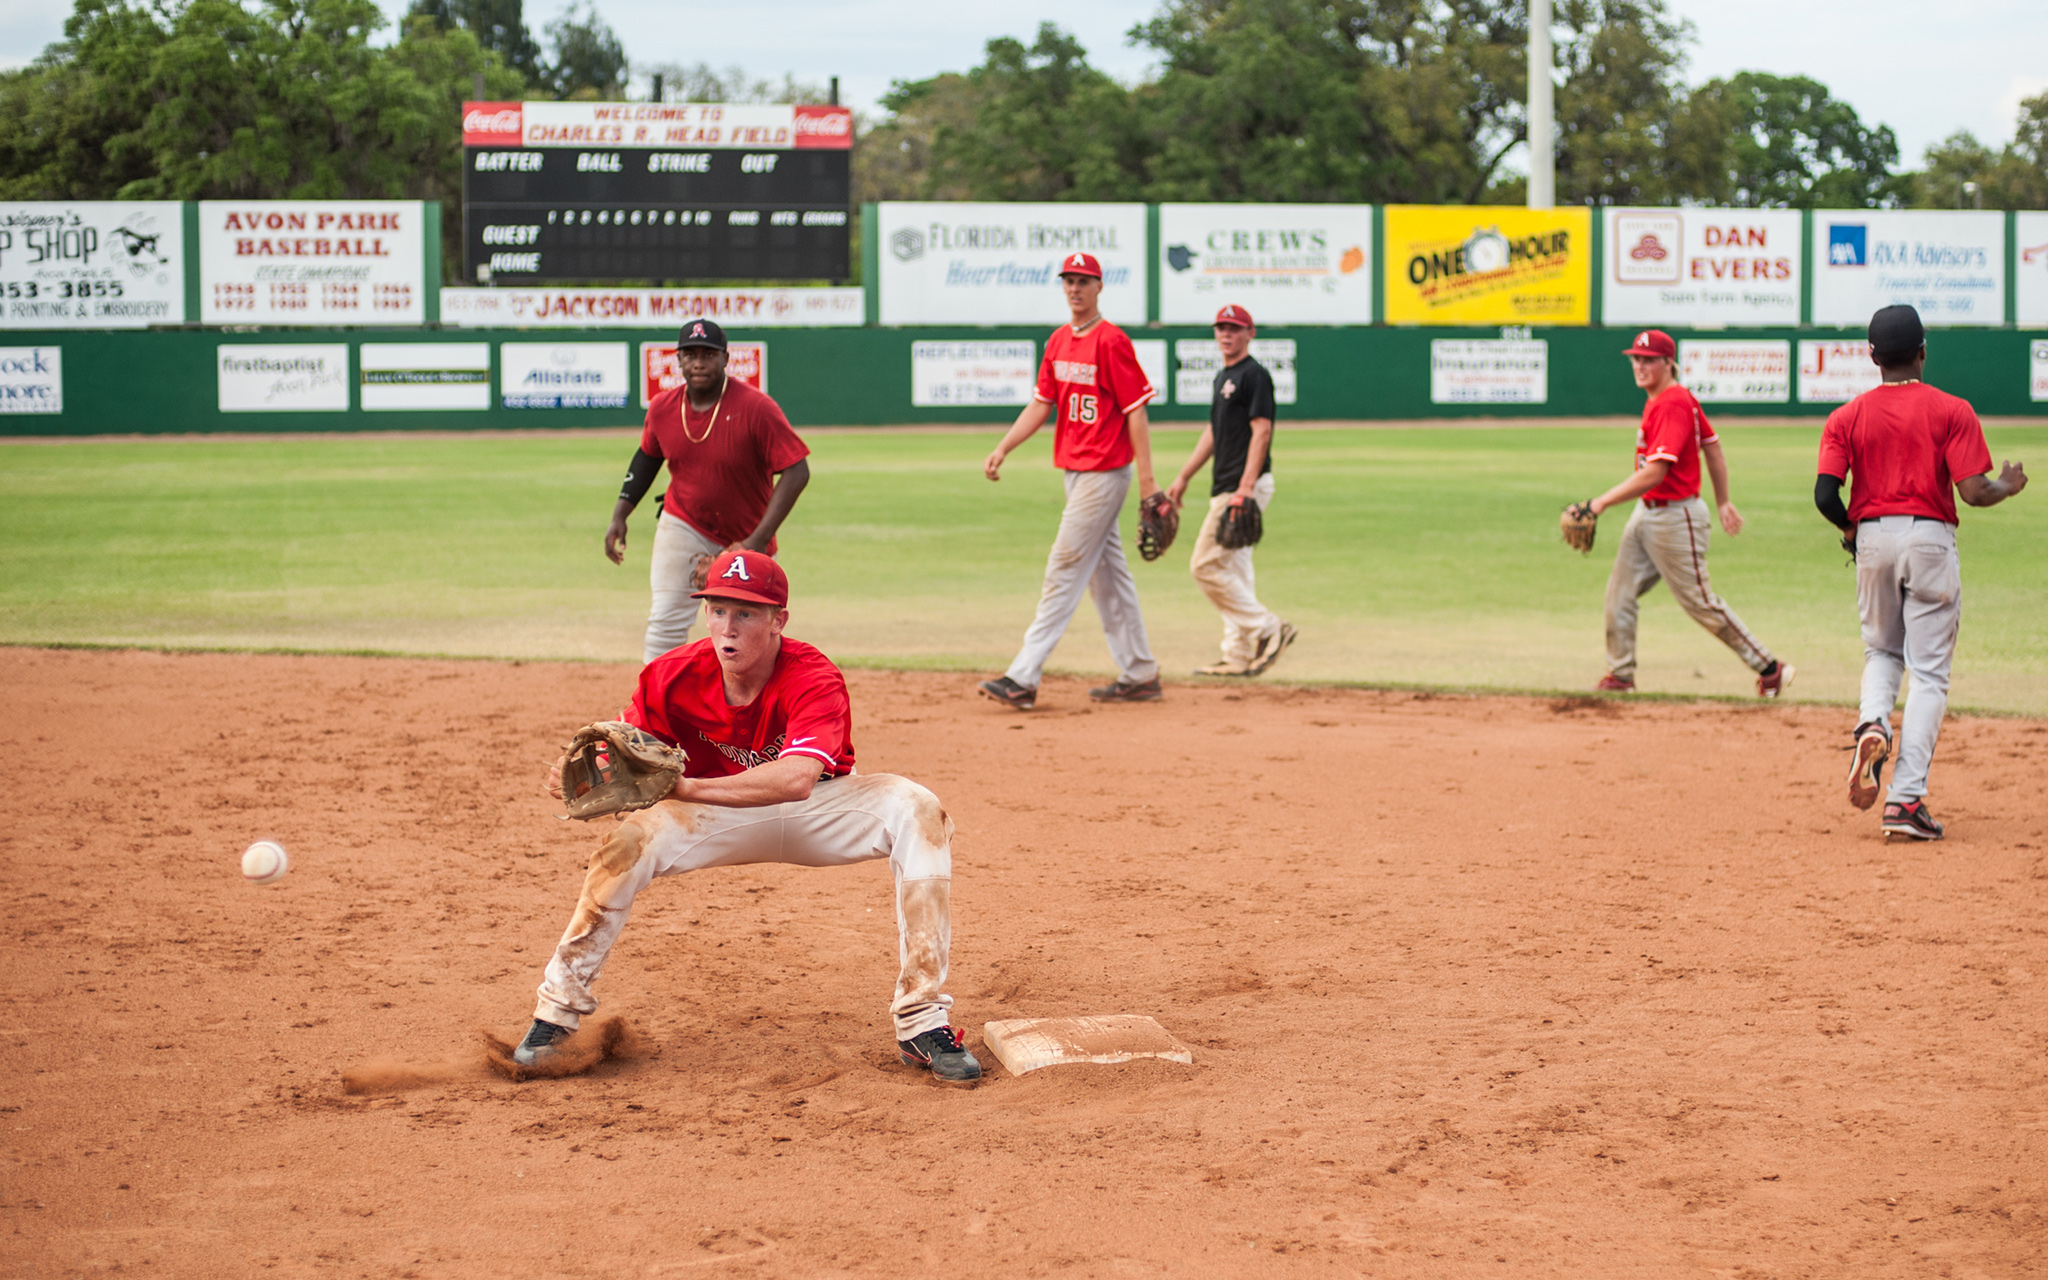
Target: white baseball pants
1225, 576
1088, 555
1669, 544
678, 549
1909, 590
845, 820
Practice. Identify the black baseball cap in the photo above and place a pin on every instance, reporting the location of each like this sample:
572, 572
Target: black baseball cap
701, 333
1896, 331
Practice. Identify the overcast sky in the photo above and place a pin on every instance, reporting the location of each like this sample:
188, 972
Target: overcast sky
1925, 70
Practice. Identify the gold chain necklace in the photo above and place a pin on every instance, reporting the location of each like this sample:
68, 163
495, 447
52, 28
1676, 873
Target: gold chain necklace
714, 414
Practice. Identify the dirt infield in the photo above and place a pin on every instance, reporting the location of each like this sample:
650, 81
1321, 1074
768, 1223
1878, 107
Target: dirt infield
1476, 987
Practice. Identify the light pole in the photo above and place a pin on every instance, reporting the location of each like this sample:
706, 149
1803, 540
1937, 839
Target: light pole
1542, 112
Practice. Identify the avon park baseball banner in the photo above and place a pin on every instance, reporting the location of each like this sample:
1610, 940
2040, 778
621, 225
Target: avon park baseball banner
2032, 252
1704, 267
1284, 263
104, 264
1488, 265
312, 262
1948, 265
988, 264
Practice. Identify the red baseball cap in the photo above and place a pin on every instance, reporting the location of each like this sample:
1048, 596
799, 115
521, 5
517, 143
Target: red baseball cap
1654, 342
740, 574
1234, 315
1080, 264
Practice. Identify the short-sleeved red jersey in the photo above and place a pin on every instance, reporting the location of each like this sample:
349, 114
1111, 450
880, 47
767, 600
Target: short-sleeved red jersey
803, 710
1091, 380
720, 471
1673, 429
1902, 446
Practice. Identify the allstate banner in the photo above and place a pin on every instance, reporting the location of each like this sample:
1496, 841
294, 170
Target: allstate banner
103, 264
1950, 266
2032, 252
988, 264
1488, 265
1284, 263
312, 262
1701, 267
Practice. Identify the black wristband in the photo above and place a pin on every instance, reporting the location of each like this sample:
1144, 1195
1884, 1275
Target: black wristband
640, 474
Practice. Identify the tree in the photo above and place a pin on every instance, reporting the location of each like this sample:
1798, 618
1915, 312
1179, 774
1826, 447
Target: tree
497, 25
2015, 177
589, 61
1791, 145
1618, 108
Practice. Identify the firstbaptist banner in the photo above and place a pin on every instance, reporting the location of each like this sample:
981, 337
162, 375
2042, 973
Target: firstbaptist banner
1488, 265
312, 262
1701, 267
985, 264
106, 264
1284, 263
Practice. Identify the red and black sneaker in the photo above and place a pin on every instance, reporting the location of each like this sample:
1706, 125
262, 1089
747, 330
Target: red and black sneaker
940, 1049
1911, 820
1009, 693
1614, 684
1866, 775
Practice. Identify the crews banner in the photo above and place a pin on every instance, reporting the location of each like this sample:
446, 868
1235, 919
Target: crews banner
946, 374
562, 375
1198, 360
1835, 370
32, 379
1950, 266
1489, 371
2031, 295
988, 264
1285, 263
1737, 371
280, 378
428, 376
312, 262
1702, 268
1488, 265
744, 362
650, 308
115, 264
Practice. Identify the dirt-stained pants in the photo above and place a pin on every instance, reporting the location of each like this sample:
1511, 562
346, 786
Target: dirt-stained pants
1088, 555
677, 549
1225, 576
845, 820
1669, 543
1909, 590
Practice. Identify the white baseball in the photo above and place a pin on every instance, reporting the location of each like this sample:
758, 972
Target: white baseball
265, 862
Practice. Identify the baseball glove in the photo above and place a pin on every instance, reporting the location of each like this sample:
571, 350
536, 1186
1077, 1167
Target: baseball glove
612, 767
702, 568
1242, 525
1158, 522
1578, 524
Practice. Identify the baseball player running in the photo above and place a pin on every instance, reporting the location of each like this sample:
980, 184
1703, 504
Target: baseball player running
1666, 536
1909, 449
725, 444
1240, 439
1091, 381
767, 727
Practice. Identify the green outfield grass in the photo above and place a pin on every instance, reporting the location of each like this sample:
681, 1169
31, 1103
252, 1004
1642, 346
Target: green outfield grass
1425, 556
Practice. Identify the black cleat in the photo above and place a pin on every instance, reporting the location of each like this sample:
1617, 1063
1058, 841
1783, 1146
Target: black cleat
540, 1042
1270, 649
940, 1049
1911, 820
1008, 692
1866, 775
1129, 691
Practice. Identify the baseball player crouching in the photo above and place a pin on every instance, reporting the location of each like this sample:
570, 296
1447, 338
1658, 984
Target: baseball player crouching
767, 728
1240, 439
1910, 449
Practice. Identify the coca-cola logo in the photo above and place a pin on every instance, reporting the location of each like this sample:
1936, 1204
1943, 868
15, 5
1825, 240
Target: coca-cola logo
836, 125
504, 120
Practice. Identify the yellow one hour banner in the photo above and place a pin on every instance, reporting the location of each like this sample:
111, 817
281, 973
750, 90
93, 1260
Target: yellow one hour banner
1488, 264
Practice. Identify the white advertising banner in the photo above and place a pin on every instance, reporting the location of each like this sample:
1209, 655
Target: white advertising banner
312, 262
2031, 294
1835, 370
948, 374
1737, 371
1702, 268
768, 308
988, 264
32, 379
1198, 360
763, 126
563, 375
2037, 369
1284, 263
1151, 353
1950, 266
112, 264
429, 376
1489, 371
281, 378
659, 370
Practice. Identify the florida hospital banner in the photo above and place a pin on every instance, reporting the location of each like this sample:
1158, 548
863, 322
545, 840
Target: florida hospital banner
312, 262
1285, 263
1488, 265
988, 264
1948, 265
1700, 267
103, 264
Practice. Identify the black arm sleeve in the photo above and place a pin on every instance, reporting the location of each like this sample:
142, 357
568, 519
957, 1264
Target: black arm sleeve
1827, 499
640, 474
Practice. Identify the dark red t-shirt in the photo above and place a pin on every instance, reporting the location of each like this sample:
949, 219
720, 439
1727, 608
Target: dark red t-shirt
1673, 428
803, 710
721, 470
1091, 380
1906, 444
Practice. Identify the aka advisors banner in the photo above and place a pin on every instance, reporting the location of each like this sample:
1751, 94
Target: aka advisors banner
1949, 266
1701, 267
983, 264
1488, 265
1284, 263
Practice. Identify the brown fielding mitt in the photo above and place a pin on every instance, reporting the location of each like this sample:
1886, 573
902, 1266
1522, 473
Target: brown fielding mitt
1242, 525
1158, 522
702, 567
1578, 524
612, 767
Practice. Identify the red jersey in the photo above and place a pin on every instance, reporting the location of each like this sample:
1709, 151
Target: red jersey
1907, 444
1091, 380
803, 710
1673, 429
721, 462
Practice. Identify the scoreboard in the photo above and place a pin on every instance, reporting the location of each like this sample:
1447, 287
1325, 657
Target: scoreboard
656, 192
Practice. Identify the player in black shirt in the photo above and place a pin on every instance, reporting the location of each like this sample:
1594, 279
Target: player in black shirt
1240, 438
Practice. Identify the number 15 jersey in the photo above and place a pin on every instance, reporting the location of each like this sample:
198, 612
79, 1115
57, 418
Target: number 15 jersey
1091, 380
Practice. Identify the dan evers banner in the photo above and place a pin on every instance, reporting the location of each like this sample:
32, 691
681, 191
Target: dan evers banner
1701, 267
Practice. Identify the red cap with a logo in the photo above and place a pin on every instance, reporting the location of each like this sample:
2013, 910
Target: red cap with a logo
746, 575
1234, 315
1080, 264
1653, 342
